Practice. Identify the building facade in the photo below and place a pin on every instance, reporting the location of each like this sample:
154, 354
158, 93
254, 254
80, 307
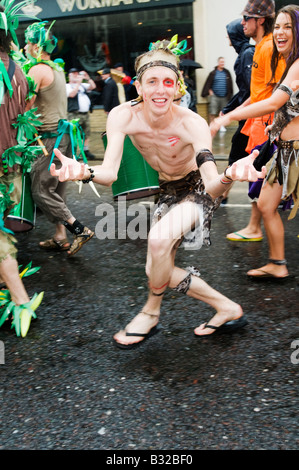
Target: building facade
97, 33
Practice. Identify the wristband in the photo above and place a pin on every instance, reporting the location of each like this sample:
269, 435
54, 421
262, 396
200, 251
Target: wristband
92, 175
225, 182
224, 173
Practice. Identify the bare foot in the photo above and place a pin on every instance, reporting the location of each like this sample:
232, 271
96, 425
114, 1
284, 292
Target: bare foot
142, 323
269, 270
218, 320
245, 235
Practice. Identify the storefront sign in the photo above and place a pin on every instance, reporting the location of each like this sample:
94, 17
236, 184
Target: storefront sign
45, 9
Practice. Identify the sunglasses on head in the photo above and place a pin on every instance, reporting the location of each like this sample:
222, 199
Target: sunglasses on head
247, 18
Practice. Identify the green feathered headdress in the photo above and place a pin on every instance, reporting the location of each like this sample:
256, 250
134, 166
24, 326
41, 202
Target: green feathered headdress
9, 18
36, 33
176, 48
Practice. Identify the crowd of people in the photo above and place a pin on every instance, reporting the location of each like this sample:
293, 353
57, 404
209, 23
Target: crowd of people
191, 188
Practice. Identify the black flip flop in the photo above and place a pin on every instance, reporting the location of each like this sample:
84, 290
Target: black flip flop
269, 277
228, 327
146, 336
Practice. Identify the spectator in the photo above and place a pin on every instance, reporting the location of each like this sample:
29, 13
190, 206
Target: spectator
189, 100
79, 103
219, 88
110, 91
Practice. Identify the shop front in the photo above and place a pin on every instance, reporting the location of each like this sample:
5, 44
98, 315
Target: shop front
97, 33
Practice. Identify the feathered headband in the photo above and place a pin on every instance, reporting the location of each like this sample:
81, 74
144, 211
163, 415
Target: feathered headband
36, 33
171, 61
9, 18
176, 48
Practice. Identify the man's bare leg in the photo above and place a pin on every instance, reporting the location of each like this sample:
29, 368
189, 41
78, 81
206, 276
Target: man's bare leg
161, 271
226, 309
162, 240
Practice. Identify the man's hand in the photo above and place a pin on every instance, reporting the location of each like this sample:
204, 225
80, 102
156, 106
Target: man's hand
71, 170
243, 169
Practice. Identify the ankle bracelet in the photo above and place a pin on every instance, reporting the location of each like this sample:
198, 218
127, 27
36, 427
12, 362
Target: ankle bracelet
149, 314
278, 262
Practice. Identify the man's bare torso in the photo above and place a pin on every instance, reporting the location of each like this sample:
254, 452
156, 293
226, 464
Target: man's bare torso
169, 143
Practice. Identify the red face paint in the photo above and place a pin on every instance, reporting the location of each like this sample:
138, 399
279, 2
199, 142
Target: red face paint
168, 82
173, 140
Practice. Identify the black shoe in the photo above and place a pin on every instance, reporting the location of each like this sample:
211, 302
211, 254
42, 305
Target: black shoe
223, 202
89, 155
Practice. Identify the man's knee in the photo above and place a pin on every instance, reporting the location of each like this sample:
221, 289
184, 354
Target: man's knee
159, 247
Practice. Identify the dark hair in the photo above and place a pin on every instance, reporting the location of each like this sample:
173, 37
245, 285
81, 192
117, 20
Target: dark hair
5, 39
268, 25
293, 12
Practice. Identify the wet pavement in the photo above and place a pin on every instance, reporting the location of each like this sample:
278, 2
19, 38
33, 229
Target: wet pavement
66, 385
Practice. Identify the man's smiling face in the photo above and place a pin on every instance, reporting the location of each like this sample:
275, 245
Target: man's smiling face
158, 88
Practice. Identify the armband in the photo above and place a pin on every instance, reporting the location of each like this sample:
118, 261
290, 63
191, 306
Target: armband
204, 156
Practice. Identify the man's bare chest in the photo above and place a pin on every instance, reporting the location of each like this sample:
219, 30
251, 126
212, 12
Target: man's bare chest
159, 143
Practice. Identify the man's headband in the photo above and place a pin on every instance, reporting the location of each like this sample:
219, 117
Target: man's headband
157, 63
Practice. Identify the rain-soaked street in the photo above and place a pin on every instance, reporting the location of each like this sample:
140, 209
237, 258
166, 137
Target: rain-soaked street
66, 385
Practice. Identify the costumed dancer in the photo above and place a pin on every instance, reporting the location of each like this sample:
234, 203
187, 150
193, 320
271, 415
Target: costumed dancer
50, 99
16, 154
177, 143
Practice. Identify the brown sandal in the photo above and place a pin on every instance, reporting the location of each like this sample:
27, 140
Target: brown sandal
79, 241
52, 244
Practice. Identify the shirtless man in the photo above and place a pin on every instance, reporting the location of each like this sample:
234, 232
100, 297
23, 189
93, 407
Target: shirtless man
177, 143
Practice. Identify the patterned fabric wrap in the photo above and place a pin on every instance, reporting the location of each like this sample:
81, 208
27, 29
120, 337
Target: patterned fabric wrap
284, 168
184, 285
286, 113
189, 188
